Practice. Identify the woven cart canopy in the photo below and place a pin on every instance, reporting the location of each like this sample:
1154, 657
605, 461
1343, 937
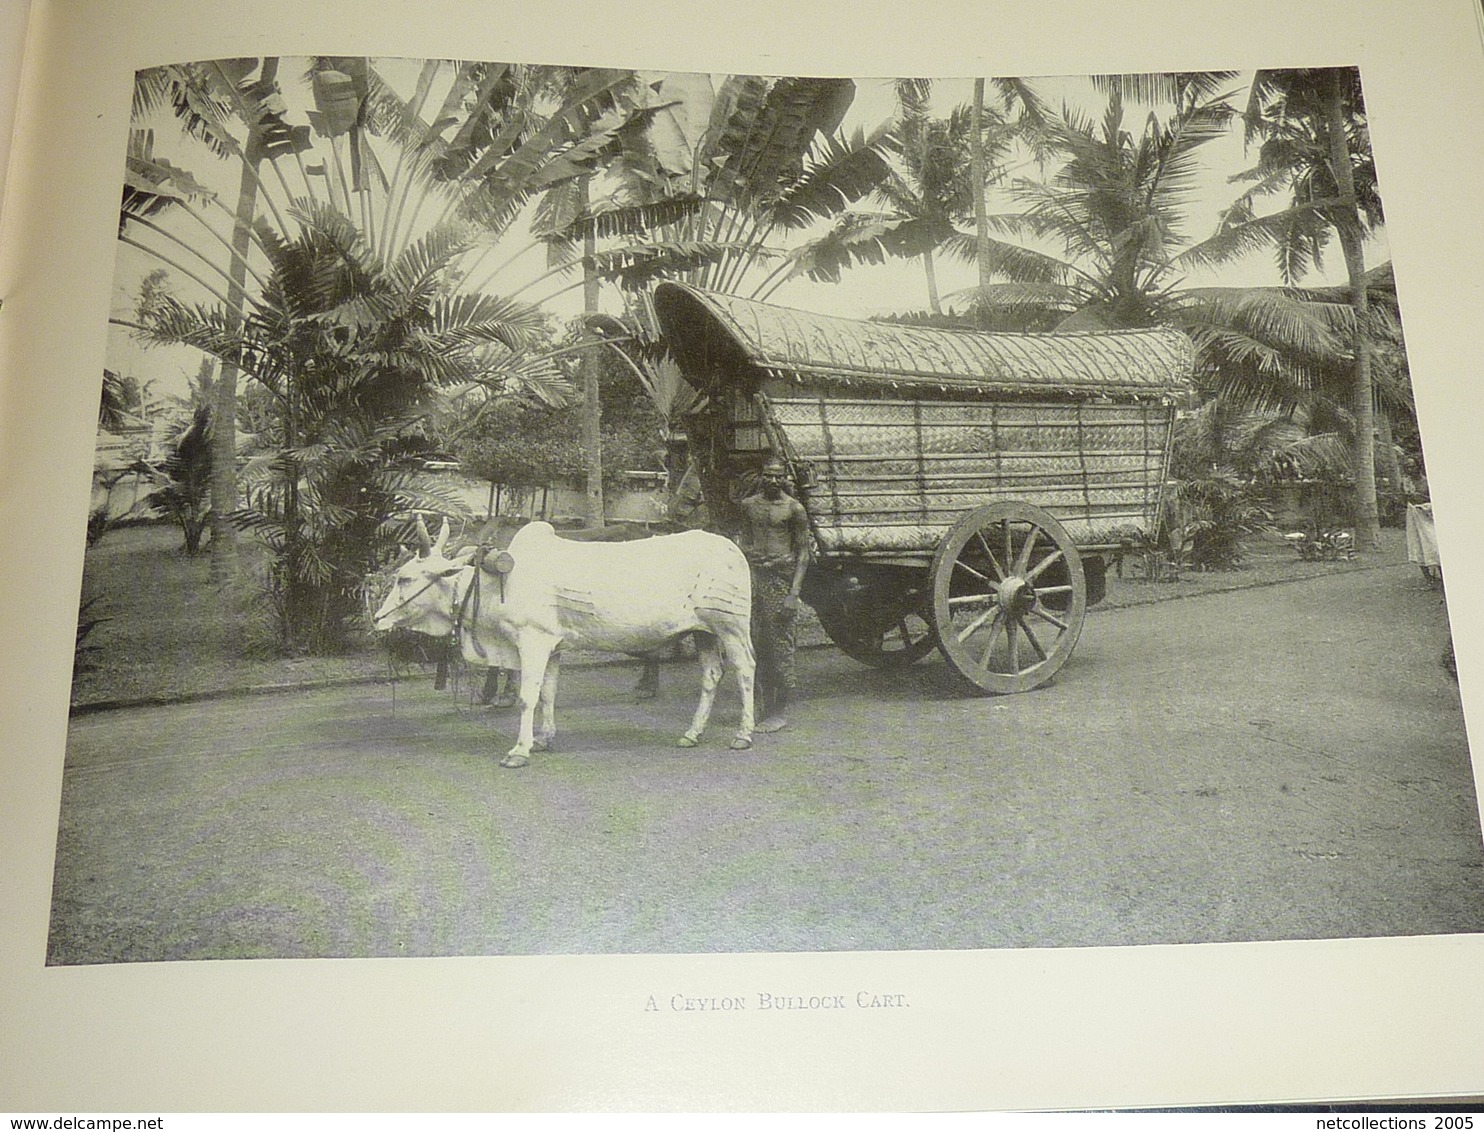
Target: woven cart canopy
718, 339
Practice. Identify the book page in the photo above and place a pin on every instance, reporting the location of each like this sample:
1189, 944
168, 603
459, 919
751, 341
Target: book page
1194, 1020
13, 36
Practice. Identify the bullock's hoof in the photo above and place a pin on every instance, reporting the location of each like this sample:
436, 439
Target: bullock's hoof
514, 762
771, 724
543, 745
688, 741
742, 743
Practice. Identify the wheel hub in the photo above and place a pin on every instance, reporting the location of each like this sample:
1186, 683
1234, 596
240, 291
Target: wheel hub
1017, 596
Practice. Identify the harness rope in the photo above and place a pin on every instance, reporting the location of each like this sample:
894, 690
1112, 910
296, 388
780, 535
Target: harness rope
468, 610
409, 600
471, 598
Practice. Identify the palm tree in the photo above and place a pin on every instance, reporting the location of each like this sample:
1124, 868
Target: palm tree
1316, 151
511, 152
929, 191
979, 169
183, 479
943, 169
501, 136
721, 180
1116, 206
931, 194
1116, 209
1116, 212
710, 183
446, 186
352, 350
1010, 90
120, 402
203, 99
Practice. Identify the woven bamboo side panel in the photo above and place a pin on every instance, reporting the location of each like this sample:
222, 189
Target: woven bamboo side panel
895, 475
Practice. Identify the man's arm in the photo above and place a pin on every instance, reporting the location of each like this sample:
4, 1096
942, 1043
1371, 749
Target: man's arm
798, 533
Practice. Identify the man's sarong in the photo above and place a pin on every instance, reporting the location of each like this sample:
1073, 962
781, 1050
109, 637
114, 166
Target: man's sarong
774, 628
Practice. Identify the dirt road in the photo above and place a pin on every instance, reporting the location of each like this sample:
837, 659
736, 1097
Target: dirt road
1285, 762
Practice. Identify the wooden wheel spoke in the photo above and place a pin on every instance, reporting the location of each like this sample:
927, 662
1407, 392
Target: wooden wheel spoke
988, 581
994, 635
1023, 559
1042, 591
993, 561
1031, 637
978, 623
972, 599
1045, 564
1050, 619
1012, 636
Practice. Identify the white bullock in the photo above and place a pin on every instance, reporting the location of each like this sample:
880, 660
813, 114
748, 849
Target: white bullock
514, 609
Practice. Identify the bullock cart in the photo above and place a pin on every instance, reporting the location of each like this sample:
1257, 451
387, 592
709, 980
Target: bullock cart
964, 491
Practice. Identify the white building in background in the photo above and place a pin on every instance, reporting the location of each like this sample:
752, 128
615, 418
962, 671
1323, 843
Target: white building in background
121, 477
640, 498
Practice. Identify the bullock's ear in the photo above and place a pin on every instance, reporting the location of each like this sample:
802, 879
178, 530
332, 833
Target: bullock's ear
450, 570
463, 557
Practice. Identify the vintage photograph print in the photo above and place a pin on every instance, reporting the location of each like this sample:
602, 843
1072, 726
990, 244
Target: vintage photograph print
546, 510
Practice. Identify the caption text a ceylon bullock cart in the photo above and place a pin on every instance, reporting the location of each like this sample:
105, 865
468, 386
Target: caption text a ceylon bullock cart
964, 490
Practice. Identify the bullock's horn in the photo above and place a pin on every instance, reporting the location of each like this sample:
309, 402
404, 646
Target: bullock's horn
424, 540
442, 543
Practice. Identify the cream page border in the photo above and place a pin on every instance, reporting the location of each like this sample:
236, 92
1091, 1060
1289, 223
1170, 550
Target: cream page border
1004, 1029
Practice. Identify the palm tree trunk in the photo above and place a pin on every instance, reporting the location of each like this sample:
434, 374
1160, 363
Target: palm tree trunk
294, 627
980, 172
224, 431
932, 281
224, 551
1363, 452
1388, 467
592, 405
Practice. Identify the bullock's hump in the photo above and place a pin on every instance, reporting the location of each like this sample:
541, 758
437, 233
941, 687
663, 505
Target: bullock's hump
695, 549
543, 558
532, 534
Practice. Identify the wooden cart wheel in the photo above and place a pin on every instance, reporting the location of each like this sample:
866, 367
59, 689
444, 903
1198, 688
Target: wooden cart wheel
1009, 597
896, 641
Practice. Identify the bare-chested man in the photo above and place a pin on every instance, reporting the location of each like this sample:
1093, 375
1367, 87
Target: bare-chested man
775, 538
